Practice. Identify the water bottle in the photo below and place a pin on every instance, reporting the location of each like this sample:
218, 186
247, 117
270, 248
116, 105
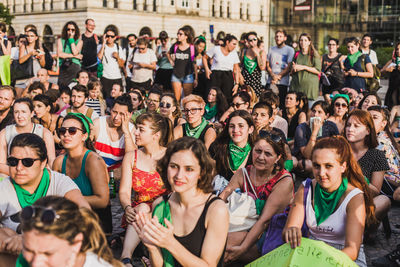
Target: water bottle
237, 190
112, 186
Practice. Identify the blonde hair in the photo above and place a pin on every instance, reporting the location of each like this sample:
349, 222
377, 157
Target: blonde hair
193, 98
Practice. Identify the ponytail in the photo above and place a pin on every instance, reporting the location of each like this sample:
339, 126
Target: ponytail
159, 124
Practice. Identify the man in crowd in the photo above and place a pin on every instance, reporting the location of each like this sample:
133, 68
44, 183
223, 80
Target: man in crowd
116, 91
366, 43
129, 51
79, 96
89, 48
7, 97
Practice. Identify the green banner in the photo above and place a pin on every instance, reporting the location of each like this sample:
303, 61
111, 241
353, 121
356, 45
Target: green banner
5, 74
310, 253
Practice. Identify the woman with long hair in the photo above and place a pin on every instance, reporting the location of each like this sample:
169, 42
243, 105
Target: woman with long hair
69, 48
189, 226
201, 88
56, 232
95, 99
5, 45
271, 183
137, 100
216, 105
339, 110
153, 133
32, 49
231, 149
392, 97
340, 201
306, 67
181, 55
369, 100
240, 101
293, 114
169, 108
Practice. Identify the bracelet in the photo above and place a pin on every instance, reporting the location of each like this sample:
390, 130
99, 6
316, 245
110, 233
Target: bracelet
127, 207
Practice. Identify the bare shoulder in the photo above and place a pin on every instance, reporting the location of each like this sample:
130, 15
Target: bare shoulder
57, 163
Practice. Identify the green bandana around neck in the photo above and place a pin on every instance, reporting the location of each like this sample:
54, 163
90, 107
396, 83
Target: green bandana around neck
237, 155
27, 199
21, 262
325, 203
196, 131
210, 112
353, 58
250, 64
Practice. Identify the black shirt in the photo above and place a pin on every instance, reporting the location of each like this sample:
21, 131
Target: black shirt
373, 160
8, 120
183, 61
89, 51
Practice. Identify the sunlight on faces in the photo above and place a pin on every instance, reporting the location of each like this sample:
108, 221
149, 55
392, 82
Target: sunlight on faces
167, 100
212, 96
280, 38
65, 98
369, 101
118, 112
264, 155
94, 93
35, 92
22, 114
290, 101
200, 47
239, 130
379, 120
340, 107
231, 46
261, 117
304, 42
197, 114
355, 131
71, 141
78, 99
42, 75
183, 171
352, 48
240, 104
83, 78
145, 135
135, 101
317, 111
153, 102
6, 99
40, 109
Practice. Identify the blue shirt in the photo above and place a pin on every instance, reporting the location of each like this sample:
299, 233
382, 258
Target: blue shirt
356, 83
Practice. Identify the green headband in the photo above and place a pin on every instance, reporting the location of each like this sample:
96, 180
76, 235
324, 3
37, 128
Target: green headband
343, 96
84, 119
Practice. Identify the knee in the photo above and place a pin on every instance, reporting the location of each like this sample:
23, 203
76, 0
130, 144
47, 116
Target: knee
396, 194
382, 206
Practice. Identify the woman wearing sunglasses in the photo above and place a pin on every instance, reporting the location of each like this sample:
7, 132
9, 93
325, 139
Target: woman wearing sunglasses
339, 110
270, 183
23, 114
169, 108
196, 125
241, 101
137, 100
29, 180
56, 232
69, 48
231, 149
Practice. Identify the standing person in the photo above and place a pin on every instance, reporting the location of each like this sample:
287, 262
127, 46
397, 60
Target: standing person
181, 56
143, 63
32, 49
201, 87
5, 45
79, 96
254, 62
305, 68
392, 97
129, 51
278, 65
7, 97
331, 66
165, 69
113, 59
69, 48
354, 71
225, 70
89, 48
187, 171
366, 42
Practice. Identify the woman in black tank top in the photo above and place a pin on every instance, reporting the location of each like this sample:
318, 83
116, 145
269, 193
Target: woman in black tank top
195, 221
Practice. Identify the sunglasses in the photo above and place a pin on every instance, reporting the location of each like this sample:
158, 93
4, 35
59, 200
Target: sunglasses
110, 36
141, 48
70, 30
47, 215
180, 33
343, 105
274, 137
165, 105
27, 162
252, 40
71, 130
237, 105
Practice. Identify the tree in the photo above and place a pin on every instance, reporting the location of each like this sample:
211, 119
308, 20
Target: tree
5, 15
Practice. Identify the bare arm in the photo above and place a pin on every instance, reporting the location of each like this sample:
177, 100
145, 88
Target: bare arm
302, 117
209, 137
76, 196
125, 189
235, 182
96, 170
376, 183
369, 73
49, 141
178, 132
24, 57
206, 67
4, 169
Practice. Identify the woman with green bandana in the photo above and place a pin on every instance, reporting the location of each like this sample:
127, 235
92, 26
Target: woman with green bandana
29, 180
231, 149
85, 167
196, 126
355, 70
339, 204
273, 188
216, 105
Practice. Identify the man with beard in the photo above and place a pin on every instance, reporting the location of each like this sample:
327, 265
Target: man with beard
7, 97
278, 60
79, 96
114, 134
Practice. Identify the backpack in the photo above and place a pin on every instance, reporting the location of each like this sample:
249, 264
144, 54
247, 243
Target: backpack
192, 51
372, 84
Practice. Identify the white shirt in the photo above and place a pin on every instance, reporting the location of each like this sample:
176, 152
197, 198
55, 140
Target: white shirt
110, 65
372, 55
141, 75
222, 62
129, 58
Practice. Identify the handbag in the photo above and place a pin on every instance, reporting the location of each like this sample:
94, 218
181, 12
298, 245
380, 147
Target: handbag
21, 71
242, 208
273, 235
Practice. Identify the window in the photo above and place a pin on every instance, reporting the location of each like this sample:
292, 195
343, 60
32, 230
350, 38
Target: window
172, 2
51, 5
134, 4
185, 3
198, 4
43, 5
115, 3
228, 10
145, 5
66, 4
241, 11
213, 9
247, 11
261, 13
221, 9
154, 5
31, 5
74, 4
104, 3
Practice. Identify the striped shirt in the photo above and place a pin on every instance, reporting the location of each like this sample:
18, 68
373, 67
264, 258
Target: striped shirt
94, 104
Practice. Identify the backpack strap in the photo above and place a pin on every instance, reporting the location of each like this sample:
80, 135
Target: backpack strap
296, 55
96, 38
175, 47
192, 52
89, 113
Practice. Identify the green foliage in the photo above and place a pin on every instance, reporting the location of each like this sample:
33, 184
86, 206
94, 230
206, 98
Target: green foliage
384, 54
343, 50
5, 15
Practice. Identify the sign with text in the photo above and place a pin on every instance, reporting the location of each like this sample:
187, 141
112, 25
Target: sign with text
302, 5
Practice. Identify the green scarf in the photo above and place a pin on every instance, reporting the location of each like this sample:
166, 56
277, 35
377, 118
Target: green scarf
210, 112
196, 131
21, 262
25, 198
163, 210
237, 155
353, 58
325, 203
249, 64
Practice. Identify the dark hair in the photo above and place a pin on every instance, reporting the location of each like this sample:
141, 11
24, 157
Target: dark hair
33, 141
37, 40
26, 101
80, 88
264, 105
251, 33
188, 32
303, 97
36, 85
334, 39
10, 88
130, 35
243, 95
81, 71
158, 124
3, 27
46, 100
324, 106
378, 99
279, 148
197, 147
297, 97
87, 20
93, 84
332, 108
312, 52
64, 33
88, 143
163, 35
222, 103
353, 40
64, 90
228, 38
367, 35
200, 41
281, 31
29, 26
139, 96
111, 28
177, 113
269, 97
156, 91
365, 118
124, 100
142, 41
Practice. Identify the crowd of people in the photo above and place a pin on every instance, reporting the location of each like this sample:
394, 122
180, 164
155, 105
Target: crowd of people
203, 145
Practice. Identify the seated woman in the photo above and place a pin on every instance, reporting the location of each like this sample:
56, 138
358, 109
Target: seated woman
293, 114
360, 133
271, 183
339, 110
29, 180
241, 101
57, 232
339, 204
370, 99
169, 108
231, 149
137, 100
85, 167
196, 126
387, 144
139, 174
195, 221
216, 105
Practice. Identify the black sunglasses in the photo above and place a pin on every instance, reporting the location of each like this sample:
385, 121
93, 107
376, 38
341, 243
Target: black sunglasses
110, 36
27, 162
274, 137
47, 215
237, 105
165, 105
71, 130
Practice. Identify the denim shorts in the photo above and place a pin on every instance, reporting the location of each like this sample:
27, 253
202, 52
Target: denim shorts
187, 79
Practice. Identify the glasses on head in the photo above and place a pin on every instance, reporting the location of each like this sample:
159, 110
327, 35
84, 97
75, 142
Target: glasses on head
165, 105
70, 30
27, 162
71, 130
110, 36
47, 215
266, 134
192, 111
338, 105
252, 40
237, 105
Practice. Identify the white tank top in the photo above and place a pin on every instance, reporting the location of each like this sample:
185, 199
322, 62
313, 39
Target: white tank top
333, 229
11, 132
